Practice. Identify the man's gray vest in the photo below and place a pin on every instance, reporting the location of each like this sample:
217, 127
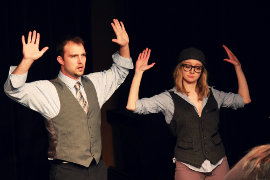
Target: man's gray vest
75, 136
198, 138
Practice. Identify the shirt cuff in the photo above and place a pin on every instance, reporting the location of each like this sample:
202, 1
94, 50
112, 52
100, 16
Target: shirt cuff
122, 61
15, 79
240, 101
138, 107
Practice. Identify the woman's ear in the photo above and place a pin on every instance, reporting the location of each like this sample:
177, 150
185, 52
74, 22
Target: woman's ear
60, 60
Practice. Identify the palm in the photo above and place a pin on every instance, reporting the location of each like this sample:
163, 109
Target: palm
121, 35
122, 38
31, 51
232, 58
142, 61
31, 48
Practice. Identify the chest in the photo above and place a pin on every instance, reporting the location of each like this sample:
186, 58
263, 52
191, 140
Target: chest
197, 103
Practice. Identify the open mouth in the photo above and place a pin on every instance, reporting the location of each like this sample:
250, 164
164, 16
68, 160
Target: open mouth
80, 68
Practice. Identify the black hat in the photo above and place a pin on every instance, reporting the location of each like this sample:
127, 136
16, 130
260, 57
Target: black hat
191, 53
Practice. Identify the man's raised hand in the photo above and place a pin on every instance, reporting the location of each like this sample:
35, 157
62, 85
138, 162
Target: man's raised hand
31, 50
121, 35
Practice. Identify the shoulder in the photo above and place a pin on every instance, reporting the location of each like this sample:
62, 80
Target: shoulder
56, 83
166, 93
215, 92
213, 89
44, 83
86, 79
160, 98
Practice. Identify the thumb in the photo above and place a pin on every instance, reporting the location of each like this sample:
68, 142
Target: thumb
114, 40
44, 50
150, 66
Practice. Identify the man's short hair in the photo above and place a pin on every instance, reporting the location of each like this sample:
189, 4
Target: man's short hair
61, 45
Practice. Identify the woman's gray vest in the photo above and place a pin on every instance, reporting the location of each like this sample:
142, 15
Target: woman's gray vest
198, 138
75, 136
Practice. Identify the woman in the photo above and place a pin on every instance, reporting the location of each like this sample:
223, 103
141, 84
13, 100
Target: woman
253, 166
191, 109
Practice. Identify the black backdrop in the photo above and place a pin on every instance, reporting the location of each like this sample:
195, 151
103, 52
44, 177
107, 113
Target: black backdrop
164, 26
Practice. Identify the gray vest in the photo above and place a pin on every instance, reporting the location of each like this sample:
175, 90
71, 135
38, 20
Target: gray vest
75, 136
197, 137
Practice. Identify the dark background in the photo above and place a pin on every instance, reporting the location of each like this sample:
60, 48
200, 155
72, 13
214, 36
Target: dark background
164, 26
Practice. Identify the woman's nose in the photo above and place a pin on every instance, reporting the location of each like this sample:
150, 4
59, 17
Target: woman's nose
192, 70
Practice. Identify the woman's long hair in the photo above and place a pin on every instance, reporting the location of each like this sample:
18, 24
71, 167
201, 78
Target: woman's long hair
257, 163
201, 87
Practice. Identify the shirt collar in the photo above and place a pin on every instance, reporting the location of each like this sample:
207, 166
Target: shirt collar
184, 96
68, 81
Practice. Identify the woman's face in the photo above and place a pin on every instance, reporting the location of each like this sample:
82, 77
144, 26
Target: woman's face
191, 70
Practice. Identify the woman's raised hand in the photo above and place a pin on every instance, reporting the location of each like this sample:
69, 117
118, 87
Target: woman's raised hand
232, 58
142, 61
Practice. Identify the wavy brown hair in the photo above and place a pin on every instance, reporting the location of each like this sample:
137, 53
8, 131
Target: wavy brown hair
202, 85
257, 163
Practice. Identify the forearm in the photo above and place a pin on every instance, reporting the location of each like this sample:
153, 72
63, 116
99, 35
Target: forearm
23, 67
134, 91
106, 82
242, 85
124, 51
40, 96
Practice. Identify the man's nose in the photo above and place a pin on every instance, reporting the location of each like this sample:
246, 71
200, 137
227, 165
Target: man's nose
79, 59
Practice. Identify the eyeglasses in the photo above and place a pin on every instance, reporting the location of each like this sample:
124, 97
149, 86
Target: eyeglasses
188, 67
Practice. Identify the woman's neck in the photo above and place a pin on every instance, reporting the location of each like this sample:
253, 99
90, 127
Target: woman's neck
190, 87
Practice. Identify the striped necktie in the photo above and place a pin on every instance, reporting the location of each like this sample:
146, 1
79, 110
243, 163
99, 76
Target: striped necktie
80, 97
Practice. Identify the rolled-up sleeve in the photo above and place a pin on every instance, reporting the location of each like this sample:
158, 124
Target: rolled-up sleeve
159, 103
40, 96
122, 61
106, 82
228, 99
14, 81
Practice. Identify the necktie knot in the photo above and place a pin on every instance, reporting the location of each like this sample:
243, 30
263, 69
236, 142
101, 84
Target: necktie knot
80, 97
77, 86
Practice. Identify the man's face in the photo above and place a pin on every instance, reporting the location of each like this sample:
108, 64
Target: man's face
73, 62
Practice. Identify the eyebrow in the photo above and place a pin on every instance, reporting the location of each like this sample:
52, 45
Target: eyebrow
193, 65
77, 54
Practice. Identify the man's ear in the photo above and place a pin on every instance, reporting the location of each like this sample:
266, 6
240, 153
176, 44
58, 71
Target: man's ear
60, 60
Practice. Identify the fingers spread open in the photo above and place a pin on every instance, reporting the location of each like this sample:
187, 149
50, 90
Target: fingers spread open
29, 37
34, 37
117, 24
38, 39
229, 52
122, 24
148, 54
113, 26
23, 40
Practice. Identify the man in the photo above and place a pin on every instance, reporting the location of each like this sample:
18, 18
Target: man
71, 103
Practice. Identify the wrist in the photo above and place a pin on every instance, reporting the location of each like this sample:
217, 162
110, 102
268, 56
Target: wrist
124, 46
139, 72
238, 67
27, 60
26, 63
124, 51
